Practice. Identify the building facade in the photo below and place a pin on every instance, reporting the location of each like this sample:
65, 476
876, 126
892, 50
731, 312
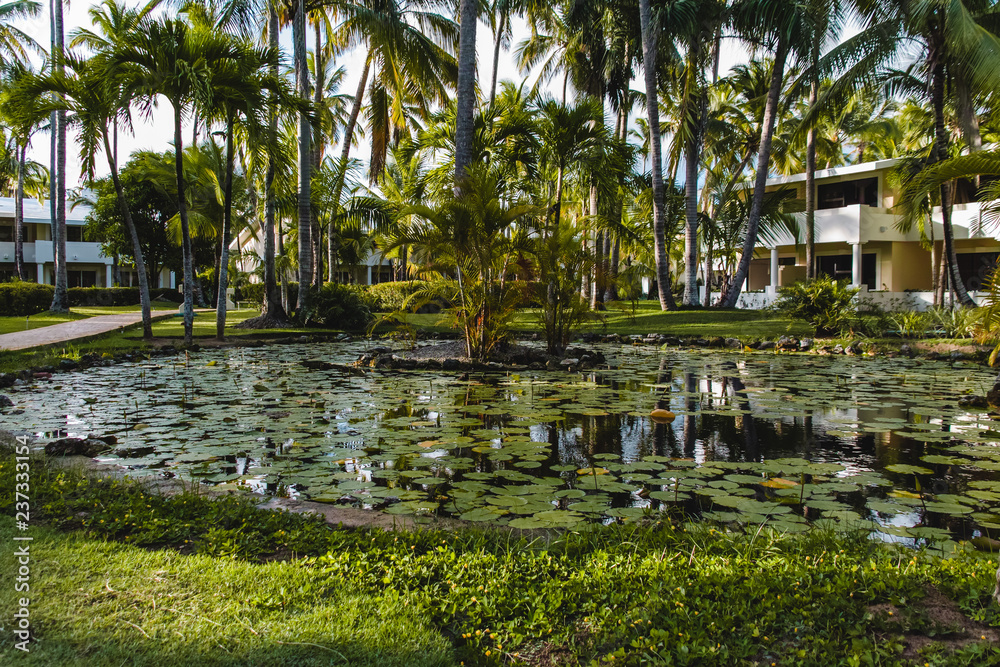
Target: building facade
857, 238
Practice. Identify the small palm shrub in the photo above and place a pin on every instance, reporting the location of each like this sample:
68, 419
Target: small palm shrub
825, 303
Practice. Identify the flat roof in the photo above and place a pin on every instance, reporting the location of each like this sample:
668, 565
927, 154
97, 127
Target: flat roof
848, 170
36, 212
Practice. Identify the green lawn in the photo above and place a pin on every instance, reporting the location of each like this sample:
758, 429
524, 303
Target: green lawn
14, 324
119, 575
648, 318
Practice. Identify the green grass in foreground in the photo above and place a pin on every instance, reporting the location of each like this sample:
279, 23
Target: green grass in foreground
119, 575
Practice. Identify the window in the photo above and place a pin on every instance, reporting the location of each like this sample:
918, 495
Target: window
81, 278
839, 267
6, 233
786, 261
976, 267
847, 193
74, 234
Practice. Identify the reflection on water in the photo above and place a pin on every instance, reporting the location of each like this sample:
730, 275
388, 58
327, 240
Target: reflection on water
776, 438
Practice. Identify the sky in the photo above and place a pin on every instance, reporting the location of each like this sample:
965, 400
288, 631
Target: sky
156, 132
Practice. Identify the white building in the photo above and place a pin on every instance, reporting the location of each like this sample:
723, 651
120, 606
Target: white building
857, 238
86, 264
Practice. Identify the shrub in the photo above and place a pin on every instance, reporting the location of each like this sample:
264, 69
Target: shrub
825, 303
118, 296
391, 296
954, 322
23, 299
341, 307
254, 292
911, 323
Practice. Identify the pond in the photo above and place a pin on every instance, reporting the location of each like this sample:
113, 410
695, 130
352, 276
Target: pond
787, 440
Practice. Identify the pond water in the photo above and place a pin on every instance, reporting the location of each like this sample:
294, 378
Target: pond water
789, 440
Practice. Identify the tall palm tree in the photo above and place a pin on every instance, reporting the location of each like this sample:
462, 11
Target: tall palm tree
95, 96
465, 95
164, 56
650, 28
25, 115
304, 163
785, 29
60, 297
956, 51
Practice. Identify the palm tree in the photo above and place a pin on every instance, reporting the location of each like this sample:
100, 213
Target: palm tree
785, 29
60, 297
95, 96
955, 52
304, 162
14, 42
25, 115
166, 57
465, 96
649, 60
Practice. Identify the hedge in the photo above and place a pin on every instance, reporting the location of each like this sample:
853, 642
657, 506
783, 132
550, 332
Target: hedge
254, 292
23, 298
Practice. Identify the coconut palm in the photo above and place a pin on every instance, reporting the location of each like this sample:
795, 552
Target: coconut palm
14, 42
57, 123
785, 28
650, 28
95, 97
165, 56
24, 115
465, 95
955, 51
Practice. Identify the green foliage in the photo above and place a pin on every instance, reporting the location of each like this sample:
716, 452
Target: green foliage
562, 262
825, 303
117, 296
392, 296
646, 592
23, 298
340, 306
254, 292
911, 323
954, 322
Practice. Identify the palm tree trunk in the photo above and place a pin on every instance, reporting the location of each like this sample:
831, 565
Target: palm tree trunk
466, 94
60, 297
318, 148
691, 162
811, 191
941, 153
653, 117
272, 307
182, 212
227, 227
19, 214
612, 288
501, 26
763, 158
305, 165
708, 273
140, 264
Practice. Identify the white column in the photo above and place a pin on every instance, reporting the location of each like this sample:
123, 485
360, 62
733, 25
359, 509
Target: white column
173, 280
369, 274
855, 264
108, 279
41, 273
774, 270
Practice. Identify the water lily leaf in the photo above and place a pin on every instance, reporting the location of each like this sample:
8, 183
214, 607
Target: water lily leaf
906, 469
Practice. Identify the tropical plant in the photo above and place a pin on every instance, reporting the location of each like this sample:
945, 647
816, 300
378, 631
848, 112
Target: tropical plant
477, 240
825, 303
561, 261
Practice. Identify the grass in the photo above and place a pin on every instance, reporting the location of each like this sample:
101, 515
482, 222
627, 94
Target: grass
48, 318
648, 318
122, 575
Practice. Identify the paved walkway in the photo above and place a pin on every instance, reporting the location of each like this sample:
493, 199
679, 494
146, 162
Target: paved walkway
67, 331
